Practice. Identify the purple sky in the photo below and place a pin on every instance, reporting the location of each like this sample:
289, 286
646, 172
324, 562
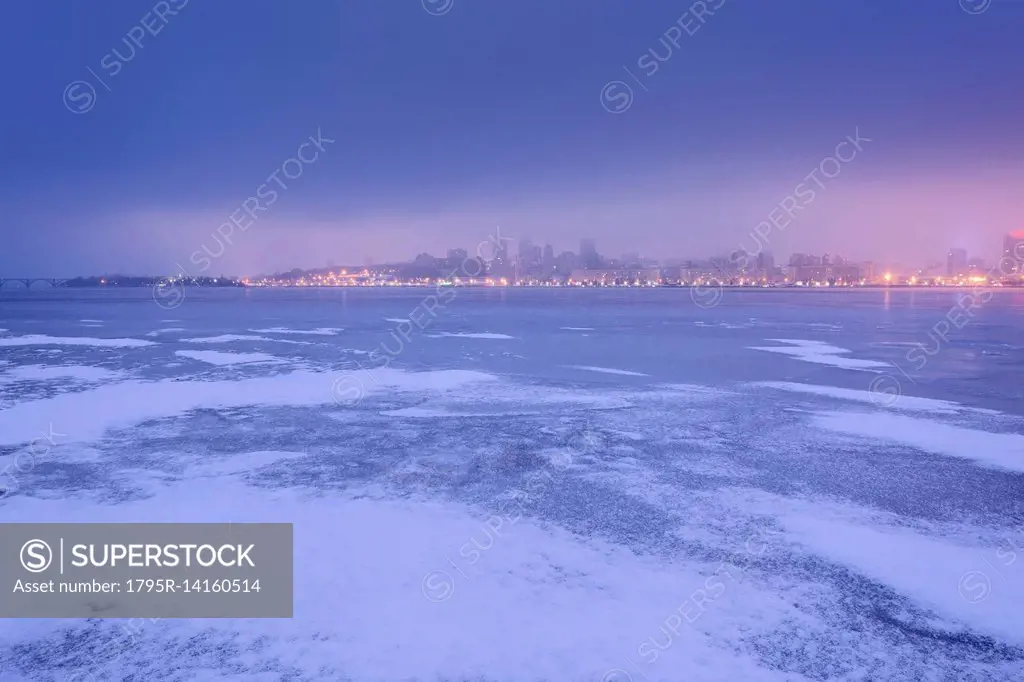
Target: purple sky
497, 115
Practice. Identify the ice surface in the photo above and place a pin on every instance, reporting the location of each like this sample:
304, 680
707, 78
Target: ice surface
578, 329
536, 603
968, 584
87, 415
627, 551
243, 463
999, 450
820, 353
443, 413
696, 388
43, 340
220, 358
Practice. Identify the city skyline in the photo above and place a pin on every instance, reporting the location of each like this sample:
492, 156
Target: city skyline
589, 255
523, 256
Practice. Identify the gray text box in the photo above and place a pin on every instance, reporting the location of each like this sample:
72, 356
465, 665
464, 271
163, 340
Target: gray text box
146, 570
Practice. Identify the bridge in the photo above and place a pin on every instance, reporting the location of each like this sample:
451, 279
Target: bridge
27, 282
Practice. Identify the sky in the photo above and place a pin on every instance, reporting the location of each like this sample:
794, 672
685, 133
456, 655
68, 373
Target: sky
134, 130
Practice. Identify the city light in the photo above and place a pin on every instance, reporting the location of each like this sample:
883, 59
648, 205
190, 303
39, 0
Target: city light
537, 267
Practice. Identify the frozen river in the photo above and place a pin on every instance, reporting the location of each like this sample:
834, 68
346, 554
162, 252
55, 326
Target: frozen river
517, 485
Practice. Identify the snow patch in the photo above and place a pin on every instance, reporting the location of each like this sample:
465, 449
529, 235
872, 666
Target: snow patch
470, 335
87, 415
165, 330
609, 370
43, 340
820, 353
223, 359
899, 402
955, 581
559, 606
50, 372
996, 450
229, 338
319, 331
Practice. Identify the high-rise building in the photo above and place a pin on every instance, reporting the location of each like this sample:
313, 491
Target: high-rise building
956, 262
1013, 253
589, 258
499, 264
566, 262
548, 260
525, 246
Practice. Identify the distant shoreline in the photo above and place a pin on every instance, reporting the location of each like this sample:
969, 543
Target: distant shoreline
557, 287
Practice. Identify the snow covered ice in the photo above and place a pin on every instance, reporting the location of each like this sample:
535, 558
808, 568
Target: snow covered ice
502, 500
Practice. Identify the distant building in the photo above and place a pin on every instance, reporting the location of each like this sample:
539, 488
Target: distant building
528, 261
616, 276
832, 274
525, 247
548, 260
566, 262
1013, 254
500, 266
424, 265
798, 259
425, 260
956, 263
589, 258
